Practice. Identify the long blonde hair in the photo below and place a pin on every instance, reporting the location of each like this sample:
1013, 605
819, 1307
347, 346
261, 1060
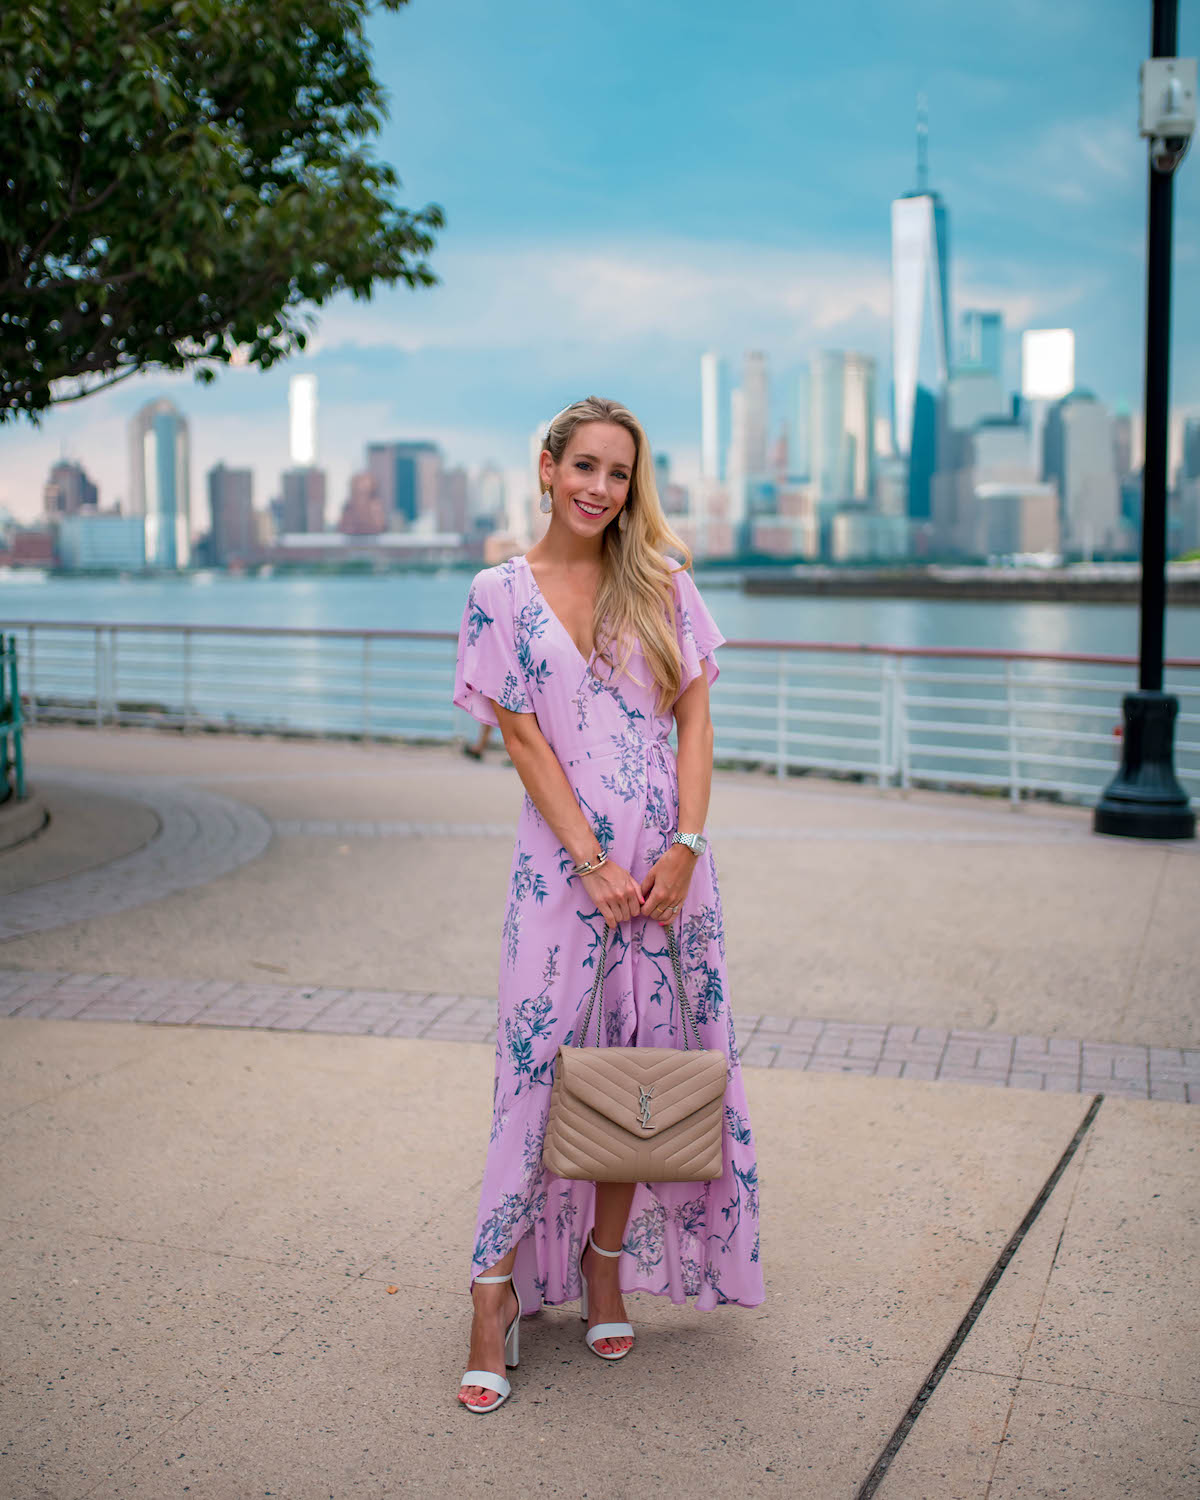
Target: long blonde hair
634, 597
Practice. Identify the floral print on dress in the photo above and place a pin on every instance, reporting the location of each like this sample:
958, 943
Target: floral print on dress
525, 881
529, 624
682, 1240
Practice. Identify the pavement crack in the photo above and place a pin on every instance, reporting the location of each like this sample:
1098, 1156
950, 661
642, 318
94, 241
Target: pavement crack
1033, 1324
898, 1438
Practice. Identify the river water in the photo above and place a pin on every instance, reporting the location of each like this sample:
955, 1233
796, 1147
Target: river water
434, 601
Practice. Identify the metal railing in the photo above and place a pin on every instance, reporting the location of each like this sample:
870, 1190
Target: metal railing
1013, 721
12, 760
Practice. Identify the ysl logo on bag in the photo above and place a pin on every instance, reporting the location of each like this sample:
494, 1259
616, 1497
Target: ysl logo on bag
645, 1096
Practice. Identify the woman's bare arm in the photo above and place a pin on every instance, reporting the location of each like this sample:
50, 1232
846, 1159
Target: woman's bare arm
611, 887
546, 782
694, 757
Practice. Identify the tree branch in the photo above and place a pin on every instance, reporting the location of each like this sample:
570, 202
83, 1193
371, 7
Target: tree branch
104, 385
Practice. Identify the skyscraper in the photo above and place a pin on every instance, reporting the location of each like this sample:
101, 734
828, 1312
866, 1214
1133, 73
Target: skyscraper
1191, 448
302, 506
1079, 459
982, 342
1189, 487
713, 436
756, 400
842, 426
302, 420
1047, 375
160, 482
68, 490
737, 466
800, 436
408, 476
920, 324
1047, 364
231, 510
1123, 440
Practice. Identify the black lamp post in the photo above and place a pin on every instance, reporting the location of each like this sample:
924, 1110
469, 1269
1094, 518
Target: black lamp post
1145, 800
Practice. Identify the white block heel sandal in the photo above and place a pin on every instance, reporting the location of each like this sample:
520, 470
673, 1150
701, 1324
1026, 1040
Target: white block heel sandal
601, 1330
486, 1378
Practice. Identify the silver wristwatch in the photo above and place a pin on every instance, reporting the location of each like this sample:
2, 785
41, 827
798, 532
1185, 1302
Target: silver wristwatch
696, 842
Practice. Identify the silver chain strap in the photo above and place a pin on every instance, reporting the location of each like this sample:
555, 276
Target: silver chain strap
685, 1007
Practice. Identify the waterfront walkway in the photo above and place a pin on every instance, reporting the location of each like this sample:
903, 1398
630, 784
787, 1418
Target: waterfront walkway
941, 1003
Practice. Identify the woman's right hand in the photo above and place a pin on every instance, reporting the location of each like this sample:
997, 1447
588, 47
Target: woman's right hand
617, 895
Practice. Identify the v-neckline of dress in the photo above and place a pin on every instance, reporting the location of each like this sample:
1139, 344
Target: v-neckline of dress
574, 646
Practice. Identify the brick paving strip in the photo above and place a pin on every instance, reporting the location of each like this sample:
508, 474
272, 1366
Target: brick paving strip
201, 836
924, 1052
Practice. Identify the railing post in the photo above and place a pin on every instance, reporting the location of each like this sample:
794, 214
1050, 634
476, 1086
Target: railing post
31, 657
902, 723
113, 640
98, 668
187, 679
18, 752
1014, 760
366, 687
780, 715
885, 718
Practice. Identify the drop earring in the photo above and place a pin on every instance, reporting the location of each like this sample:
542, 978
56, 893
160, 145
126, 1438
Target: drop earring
547, 504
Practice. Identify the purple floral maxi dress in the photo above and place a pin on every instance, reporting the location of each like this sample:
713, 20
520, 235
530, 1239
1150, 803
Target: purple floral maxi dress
683, 1239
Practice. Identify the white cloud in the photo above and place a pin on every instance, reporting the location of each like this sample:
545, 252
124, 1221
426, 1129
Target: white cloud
1078, 162
513, 295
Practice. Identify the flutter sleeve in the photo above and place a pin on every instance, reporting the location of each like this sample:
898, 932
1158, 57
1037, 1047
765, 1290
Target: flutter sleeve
487, 671
696, 632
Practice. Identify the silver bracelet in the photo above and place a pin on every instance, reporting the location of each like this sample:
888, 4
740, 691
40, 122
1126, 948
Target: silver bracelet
588, 865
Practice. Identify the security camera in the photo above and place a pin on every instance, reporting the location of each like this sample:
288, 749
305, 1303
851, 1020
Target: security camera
1168, 108
1166, 152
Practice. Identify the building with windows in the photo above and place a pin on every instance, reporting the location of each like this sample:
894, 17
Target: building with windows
1047, 375
302, 501
102, 543
800, 433
1189, 487
714, 407
302, 421
981, 343
68, 491
756, 413
363, 513
233, 536
920, 326
408, 477
160, 489
993, 501
1079, 460
841, 426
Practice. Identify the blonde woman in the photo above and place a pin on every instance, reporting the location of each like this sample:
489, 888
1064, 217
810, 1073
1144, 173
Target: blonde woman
584, 652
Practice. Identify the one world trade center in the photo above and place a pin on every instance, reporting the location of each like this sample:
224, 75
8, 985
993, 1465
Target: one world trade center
920, 326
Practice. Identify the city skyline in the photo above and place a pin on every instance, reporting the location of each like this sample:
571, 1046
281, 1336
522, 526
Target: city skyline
546, 295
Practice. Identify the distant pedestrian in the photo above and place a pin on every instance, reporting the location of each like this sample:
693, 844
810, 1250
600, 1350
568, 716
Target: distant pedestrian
475, 751
584, 652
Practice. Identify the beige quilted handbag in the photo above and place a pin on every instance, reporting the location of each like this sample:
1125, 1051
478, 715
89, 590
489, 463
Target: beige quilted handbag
636, 1114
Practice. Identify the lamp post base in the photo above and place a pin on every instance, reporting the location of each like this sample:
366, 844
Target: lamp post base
1144, 800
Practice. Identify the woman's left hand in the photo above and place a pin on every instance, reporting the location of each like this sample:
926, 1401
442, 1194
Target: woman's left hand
666, 884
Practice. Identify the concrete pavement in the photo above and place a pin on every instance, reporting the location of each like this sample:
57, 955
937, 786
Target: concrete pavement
201, 1222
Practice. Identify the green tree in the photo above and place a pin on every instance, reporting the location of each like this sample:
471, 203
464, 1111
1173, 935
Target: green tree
183, 184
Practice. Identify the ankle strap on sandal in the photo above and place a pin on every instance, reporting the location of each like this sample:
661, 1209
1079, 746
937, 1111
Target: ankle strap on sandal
495, 1280
611, 1254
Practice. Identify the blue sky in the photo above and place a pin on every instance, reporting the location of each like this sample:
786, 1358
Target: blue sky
627, 186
